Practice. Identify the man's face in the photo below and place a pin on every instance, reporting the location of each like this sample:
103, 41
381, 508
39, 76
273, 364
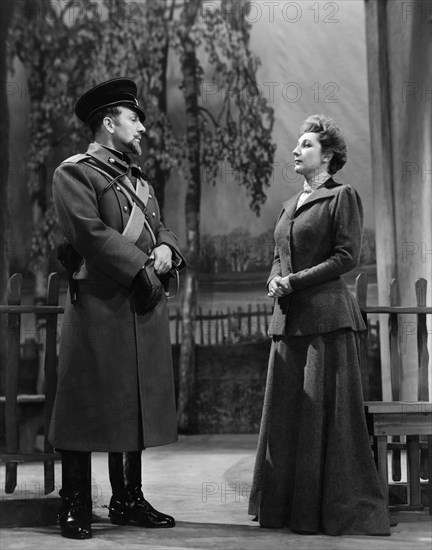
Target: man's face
128, 131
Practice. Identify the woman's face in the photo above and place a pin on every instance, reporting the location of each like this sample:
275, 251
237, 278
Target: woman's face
308, 156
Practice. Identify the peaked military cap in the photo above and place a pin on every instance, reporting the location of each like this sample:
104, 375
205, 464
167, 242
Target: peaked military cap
117, 91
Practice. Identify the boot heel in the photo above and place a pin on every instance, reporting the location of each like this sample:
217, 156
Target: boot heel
119, 512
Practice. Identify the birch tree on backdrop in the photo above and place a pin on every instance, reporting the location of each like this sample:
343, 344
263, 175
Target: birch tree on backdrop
214, 48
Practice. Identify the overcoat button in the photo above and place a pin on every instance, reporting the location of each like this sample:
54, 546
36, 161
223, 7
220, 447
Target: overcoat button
154, 214
125, 208
150, 196
118, 188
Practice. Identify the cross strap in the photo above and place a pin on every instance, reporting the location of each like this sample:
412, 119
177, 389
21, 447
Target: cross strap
108, 172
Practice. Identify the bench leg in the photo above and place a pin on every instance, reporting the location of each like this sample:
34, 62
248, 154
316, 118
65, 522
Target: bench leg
413, 462
429, 451
381, 450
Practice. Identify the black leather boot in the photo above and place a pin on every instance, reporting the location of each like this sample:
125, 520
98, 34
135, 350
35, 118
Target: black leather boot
74, 515
128, 503
143, 513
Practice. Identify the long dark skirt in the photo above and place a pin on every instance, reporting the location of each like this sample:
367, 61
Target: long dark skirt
314, 469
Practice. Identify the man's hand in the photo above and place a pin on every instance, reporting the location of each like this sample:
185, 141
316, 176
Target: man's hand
162, 255
279, 287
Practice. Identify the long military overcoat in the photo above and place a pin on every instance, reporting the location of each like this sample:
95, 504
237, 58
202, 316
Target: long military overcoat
115, 378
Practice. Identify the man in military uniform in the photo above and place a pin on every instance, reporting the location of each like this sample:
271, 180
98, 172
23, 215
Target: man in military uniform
115, 378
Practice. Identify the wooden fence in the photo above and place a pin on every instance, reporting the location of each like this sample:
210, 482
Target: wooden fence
394, 311
14, 310
211, 328
230, 327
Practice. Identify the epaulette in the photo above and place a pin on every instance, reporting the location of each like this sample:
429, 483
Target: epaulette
74, 159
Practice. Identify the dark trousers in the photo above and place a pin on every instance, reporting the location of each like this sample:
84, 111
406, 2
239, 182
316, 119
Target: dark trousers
76, 472
124, 472
76, 478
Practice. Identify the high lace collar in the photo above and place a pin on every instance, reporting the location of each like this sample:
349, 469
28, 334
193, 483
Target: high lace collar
316, 182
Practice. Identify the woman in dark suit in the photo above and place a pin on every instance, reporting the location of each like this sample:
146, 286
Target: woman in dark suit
314, 470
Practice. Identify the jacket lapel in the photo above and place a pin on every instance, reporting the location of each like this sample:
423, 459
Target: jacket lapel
290, 205
324, 192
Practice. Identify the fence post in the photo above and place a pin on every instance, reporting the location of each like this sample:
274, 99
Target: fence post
201, 325
239, 323
361, 289
423, 377
395, 369
229, 323
50, 375
259, 331
12, 365
266, 313
422, 338
222, 327
249, 320
209, 328
217, 327
395, 360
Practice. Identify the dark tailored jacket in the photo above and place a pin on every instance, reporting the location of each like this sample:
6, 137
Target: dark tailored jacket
315, 245
115, 379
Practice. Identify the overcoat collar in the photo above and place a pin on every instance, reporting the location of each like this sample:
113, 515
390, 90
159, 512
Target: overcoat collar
327, 190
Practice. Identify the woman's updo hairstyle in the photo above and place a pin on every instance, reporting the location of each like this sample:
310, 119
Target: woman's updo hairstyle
330, 138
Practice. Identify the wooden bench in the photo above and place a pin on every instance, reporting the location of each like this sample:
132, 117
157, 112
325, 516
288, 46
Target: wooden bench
409, 420
401, 425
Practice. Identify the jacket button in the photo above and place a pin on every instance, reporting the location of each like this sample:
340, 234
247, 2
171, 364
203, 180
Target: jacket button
154, 214
150, 196
125, 208
118, 188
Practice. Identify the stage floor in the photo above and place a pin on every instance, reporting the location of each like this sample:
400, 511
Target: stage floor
204, 482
